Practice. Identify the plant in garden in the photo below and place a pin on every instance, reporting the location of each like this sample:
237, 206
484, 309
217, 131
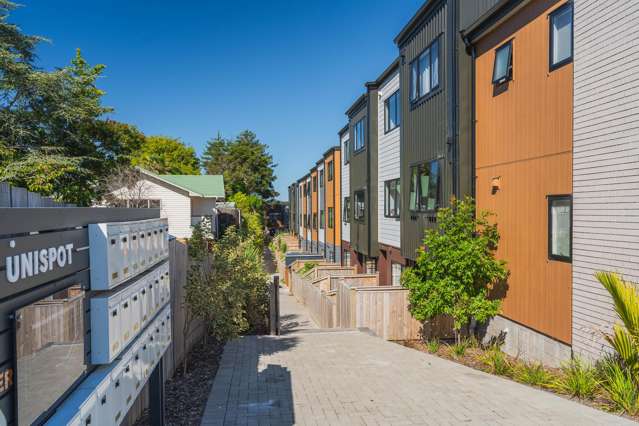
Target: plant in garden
252, 210
308, 266
577, 379
532, 373
458, 349
619, 385
496, 361
433, 345
456, 268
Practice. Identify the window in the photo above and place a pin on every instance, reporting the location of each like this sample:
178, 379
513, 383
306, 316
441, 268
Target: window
321, 179
358, 135
360, 205
424, 72
314, 183
50, 350
424, 187
330, 170
503, 67
371, 265
330, 217
561, 36
560, 227
391, 112
347, 210
321, 224
347, 151
396, 273
391, 198
347, 258
314, 220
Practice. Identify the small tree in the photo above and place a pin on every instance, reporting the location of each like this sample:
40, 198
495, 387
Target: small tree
456, 268
126, 188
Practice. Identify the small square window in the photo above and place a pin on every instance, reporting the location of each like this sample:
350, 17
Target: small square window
503, 67
560, 227
321, 224
561, 36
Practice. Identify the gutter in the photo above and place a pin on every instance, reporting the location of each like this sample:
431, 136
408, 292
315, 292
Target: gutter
472, 51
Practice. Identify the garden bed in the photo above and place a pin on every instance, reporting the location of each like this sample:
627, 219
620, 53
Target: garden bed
485, 359
186, 395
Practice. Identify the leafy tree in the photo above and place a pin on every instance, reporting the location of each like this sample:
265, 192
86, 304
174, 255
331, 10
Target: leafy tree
52, 135
456, 268
164, 155
251, 208
244, 162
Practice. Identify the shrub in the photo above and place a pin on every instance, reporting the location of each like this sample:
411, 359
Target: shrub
496, 362
456, 268
308, 266
458, 349
532, 373
433, 345
577, 379
619, 385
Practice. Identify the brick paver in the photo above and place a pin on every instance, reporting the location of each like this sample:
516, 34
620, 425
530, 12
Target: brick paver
353, 378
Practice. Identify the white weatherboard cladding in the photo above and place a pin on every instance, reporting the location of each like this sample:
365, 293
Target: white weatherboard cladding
174, 205
321, 205
346, 190
388, 165
605, 162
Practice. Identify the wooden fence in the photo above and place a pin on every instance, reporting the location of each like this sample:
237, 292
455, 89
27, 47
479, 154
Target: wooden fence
336, 297
14, 196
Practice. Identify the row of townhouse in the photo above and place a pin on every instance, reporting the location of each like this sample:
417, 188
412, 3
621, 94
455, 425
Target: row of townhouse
529, 106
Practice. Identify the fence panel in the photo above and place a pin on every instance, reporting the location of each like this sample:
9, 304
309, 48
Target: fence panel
14, 196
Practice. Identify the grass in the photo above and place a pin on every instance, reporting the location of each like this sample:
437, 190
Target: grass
433, 345
577, 379
459, 349
532, 373
619, 386
496, 361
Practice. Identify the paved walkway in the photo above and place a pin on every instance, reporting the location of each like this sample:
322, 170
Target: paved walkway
315, 377
293, 316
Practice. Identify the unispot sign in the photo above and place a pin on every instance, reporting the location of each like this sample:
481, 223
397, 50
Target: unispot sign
31, 263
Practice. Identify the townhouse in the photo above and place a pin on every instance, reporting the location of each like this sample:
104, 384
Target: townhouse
515, 103
331, 196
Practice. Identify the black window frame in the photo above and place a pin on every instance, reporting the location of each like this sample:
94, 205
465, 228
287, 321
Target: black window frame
394, 98
321, 219
321, 178
509, 68
551, 200
347, 151
314, 219
432, 89
388, 212
330, 171
363, 147
346, 210
357, 217
330, 219
314, 183
553, 66
418, 194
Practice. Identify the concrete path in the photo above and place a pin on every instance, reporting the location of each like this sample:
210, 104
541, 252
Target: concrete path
317, 377
293, 316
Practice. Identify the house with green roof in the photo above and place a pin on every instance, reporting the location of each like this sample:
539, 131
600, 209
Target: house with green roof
183, 199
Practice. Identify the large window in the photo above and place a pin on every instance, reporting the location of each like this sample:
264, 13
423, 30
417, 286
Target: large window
330, 170
561, 36
330, 217
391, 198
424, 187
347, 151
424, 72
560, 227
50, 351
346, 214
396, 273
503, 66
391, 112
358, 135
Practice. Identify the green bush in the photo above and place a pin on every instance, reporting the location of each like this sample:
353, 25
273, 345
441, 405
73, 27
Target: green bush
532, 373
433, 345
459, 348
619, 385
496, 362
308, 266
577, 379
456, 268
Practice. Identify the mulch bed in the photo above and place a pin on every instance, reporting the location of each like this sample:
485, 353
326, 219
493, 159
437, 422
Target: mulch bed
186, 395
472, 359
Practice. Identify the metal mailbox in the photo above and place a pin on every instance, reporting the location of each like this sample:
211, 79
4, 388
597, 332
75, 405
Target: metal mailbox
118, 404
106, 336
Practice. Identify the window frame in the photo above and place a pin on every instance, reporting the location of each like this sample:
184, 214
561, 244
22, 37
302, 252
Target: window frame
553, 66
418, 190
509, 67
314, 219
314, 184
330, 218
432, 89
395, 96
355, 215
363, 147
330, 171
551, 200
321, 219
397, 209
321, 178
401, 267
347, 210
347, 151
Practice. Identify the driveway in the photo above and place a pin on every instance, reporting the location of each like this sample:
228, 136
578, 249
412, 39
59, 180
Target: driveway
315, 377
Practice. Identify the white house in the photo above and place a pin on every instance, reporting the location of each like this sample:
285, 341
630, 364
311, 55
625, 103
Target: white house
183, 199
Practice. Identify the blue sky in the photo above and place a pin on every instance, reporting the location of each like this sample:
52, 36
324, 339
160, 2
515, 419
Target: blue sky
285, 69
